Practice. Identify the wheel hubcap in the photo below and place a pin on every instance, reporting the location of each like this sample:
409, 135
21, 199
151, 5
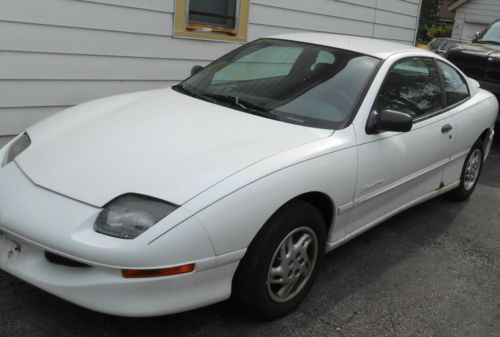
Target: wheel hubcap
292, 264
472, 169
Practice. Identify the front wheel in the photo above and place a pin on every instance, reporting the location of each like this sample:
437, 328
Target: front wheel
470, 174
281, 263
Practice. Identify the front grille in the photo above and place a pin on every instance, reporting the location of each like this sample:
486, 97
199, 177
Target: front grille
63, 261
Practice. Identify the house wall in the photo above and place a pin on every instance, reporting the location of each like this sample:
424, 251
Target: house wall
57, 53
473, 16
4, 140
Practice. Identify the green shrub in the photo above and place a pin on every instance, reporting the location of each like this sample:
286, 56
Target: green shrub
443, 30
427, 32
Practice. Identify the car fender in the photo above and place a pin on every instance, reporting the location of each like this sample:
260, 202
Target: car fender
236, 209
65, 227
476, 116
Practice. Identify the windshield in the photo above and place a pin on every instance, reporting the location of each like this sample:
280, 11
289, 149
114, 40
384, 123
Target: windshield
436, 43
293, 82
492, 34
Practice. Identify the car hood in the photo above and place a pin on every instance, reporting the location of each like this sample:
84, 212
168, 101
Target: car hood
158, 143
478, 61
481, 50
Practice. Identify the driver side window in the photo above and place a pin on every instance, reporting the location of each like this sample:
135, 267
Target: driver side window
412, 86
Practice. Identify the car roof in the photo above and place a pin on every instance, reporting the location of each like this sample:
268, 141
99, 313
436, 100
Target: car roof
374, 47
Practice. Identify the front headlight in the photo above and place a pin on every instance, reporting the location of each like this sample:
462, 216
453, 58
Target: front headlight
16, 148
130, 215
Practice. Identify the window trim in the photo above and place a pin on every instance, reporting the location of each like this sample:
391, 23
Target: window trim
444, 99
207, 32
363, 94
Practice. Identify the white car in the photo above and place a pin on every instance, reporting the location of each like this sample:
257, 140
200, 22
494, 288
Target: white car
234, 183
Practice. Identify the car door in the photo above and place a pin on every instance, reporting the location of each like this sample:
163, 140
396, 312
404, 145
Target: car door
396, 169
465, 116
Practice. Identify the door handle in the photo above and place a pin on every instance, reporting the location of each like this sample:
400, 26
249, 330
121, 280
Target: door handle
446, 128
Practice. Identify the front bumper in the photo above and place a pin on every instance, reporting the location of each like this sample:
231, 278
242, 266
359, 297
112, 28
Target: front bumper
105, 290
34, 221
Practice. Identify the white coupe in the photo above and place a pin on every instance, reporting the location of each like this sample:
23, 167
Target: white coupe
235, 182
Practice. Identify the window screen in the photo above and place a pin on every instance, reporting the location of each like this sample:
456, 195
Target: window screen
225, 20
213, 12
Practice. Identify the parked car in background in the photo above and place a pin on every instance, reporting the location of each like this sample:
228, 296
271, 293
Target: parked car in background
441, 45
436, 43
451, 43
480, 59
235, 182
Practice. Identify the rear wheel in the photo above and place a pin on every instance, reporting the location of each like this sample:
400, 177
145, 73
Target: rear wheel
470, 174
281, 264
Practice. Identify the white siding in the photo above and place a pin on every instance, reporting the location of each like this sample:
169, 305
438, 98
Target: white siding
473, 16
57, 53
4, 140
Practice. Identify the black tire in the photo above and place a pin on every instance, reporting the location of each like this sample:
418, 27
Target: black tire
464, 191
250, 291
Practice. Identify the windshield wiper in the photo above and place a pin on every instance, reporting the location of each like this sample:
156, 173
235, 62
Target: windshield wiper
243, 104
489, 41
233, 100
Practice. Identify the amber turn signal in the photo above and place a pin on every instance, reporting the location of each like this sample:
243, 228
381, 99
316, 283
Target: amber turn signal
146, 273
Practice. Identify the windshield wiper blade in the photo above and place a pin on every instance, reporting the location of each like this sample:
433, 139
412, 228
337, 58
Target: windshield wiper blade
489, 41
244, 104
233, 100
196, 93
237, 101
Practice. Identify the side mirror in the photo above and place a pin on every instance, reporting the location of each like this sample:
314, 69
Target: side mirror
196, 69
475, 37
389, 120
